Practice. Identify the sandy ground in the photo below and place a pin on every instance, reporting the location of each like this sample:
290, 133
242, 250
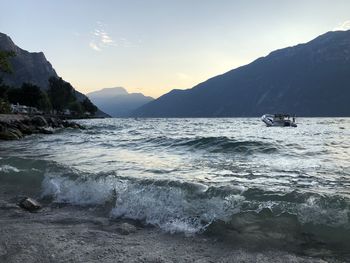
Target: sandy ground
74, 234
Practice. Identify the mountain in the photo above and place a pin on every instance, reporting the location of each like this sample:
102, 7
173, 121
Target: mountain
311, 79
31, 67
117, 101
28, 67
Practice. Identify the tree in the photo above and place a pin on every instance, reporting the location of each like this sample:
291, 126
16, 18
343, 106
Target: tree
4, 106
5, 65
76, 107
89, 106
61, 93
3, 89
29, 95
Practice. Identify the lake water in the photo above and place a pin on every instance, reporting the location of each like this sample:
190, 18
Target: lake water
231, 178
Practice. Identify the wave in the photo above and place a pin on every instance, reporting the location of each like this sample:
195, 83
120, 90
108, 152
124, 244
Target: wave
211, 144
233, 212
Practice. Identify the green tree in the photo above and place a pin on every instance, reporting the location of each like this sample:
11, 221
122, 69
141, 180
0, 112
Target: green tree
61, 93
29, 95
5, 65
3, 89
88, 106
4, 106
76, 107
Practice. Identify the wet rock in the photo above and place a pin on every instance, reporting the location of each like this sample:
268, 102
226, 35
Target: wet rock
39, 121
16, 131
126, 229
14, 126
25, 129
52, 122
9, 134
29, 204
71, 124
46, 130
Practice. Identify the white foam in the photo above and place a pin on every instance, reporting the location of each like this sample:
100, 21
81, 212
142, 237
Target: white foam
78, 192
8, 168
172, 208
312, 211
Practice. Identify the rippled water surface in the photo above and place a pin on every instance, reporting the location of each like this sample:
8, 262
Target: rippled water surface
196, 175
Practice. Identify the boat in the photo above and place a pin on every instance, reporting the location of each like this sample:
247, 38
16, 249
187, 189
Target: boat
279, 120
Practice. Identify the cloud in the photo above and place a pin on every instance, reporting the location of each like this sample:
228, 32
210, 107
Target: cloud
94, 46
343, 26
100, 39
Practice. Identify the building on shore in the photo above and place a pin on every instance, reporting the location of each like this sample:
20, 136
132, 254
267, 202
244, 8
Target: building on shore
22, 109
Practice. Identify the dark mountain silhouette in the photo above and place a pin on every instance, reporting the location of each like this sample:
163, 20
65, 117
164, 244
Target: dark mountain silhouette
27, 66
117, 102
311, 79
31, 67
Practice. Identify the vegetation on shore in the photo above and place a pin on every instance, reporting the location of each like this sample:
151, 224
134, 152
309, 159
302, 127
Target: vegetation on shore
58, 98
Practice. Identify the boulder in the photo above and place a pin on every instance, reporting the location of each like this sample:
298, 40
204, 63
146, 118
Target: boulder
29, 204
39, 121
53, 122
26, 129
16, 131
9, 134
46, 130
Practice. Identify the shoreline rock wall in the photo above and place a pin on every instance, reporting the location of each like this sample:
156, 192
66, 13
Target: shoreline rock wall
15, 126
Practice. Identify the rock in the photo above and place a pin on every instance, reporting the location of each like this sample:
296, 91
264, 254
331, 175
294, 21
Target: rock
126, 229
53, 122
7, 135
29, 204
71, 124
39, 121
46, 130
25, 129
16, 131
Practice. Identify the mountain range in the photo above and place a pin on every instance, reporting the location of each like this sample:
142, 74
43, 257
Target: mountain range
117, 102
311, 79
31, 67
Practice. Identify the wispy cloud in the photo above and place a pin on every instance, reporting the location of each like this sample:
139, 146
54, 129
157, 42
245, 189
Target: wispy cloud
94, 46
101, 39
343, 26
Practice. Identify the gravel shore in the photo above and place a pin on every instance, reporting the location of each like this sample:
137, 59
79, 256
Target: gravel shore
63, 233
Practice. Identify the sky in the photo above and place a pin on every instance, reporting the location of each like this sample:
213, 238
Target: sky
154, 46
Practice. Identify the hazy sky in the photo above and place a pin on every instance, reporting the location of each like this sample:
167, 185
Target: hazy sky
153, 46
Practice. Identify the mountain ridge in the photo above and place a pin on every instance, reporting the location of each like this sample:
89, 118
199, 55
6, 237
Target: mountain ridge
117, 101
302, 79
31, 67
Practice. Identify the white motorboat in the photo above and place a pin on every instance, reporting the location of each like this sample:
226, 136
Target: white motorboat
279, 120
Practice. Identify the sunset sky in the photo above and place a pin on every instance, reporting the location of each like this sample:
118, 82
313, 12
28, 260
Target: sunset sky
153, 46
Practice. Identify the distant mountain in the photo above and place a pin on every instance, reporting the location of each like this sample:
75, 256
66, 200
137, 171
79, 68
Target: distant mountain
311, 79
117, 102
31, 67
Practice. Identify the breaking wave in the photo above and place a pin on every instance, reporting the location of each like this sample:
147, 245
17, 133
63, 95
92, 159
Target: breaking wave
231, 212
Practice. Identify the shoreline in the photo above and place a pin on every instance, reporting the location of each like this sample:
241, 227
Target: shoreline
66, 233
63, 233
17, 126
